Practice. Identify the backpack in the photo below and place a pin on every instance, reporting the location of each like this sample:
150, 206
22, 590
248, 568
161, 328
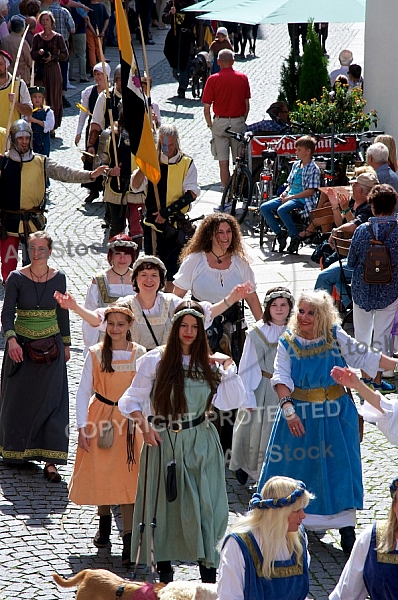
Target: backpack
377, 268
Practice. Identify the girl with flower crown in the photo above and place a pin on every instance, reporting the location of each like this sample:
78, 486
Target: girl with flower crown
107, 458
265, 554
372, 569
253, 423
175, 386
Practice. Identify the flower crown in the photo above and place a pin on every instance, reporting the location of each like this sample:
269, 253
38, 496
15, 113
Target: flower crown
393, 487
122, 244
187, 311
280, 294
258, 501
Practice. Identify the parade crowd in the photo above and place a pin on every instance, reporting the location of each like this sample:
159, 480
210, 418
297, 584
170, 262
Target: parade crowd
175, 386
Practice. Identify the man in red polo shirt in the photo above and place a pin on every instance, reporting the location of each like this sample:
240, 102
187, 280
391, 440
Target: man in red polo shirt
228, 91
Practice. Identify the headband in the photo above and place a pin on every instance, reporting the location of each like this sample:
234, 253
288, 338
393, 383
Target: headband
393, 487
281, 294
148, 258
258, 501
187, 311
119, 309
122, 244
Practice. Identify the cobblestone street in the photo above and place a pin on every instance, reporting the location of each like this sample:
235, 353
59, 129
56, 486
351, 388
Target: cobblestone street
40, 531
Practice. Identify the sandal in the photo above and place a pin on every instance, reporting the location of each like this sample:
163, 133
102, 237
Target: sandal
307, 233
52, 476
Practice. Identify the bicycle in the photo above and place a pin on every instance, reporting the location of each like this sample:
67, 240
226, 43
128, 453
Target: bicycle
238, 192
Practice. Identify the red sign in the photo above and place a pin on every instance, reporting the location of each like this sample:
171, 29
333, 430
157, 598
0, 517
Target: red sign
287, 147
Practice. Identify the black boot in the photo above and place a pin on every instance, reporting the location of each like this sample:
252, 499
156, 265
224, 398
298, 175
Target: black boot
294, 245
165, 571
207, 574
101, 539
126, 553
347, 539
241, 476
282, 239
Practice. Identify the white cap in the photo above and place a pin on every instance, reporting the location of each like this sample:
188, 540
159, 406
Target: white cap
223, 31
98, 67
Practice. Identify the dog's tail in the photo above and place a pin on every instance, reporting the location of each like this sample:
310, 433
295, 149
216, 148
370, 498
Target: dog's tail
73, 581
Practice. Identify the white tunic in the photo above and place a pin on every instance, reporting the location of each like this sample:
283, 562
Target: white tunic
230, 393
206, 283
387, 421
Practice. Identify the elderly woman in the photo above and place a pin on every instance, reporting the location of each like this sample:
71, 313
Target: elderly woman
3, 24
34, 409
177, 188
316, 427
372, 569
265, 555
47, 50
153, 309
375, 304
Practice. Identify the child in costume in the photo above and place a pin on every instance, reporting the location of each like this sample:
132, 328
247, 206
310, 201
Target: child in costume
42, 121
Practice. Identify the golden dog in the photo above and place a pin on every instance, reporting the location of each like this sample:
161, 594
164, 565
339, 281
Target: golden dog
100, 584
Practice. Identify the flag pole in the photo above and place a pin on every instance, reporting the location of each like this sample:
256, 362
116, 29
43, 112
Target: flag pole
155, 185
32, 74
14, 76
110, 114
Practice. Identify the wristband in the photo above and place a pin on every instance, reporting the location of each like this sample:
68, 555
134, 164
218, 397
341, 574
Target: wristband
336, 208
285, 400
227, 303
345, 211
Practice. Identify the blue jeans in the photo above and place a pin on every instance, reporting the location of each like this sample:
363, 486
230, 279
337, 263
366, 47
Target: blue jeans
332, 277
284, 213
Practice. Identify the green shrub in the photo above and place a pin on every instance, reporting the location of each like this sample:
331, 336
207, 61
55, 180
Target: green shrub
314, 73
346, 111
290, 76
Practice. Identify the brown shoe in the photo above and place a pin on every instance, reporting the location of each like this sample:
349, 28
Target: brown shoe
53, 476
91, 197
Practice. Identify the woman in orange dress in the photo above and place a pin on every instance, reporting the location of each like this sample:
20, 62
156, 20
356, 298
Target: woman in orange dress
107, 459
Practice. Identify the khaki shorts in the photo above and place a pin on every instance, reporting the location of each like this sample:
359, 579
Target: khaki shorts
222, 141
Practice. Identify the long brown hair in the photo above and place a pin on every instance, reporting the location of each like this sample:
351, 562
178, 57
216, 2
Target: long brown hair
106, 354
169, 400
202, 239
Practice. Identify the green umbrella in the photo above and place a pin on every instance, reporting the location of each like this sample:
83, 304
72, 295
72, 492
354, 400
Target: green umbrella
288, 11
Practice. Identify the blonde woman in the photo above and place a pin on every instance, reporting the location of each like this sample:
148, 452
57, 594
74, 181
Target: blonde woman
316, 427
389, 141
265, 555
372, 568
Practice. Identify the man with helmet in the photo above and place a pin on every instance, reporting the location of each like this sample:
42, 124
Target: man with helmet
23, 104
23, 176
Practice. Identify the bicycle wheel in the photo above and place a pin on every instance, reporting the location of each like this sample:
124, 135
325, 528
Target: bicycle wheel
240, 193
227, 195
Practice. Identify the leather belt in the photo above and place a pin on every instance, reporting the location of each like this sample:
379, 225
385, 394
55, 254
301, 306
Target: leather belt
176, 426
266, 374
318, 394
221, 117
105, 400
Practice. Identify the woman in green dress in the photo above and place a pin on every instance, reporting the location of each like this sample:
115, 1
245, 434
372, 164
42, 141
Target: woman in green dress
175, 386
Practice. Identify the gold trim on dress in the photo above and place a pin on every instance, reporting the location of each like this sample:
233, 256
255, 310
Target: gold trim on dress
36, 313
263, 338
300, 352
278, 572
384, 557
32, 452
31, 333
318, 394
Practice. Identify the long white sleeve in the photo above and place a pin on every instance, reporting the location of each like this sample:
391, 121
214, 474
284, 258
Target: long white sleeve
49, 122
231, 581
84, 102
231, 392
84, 392
387, 421
351, 585
249, 372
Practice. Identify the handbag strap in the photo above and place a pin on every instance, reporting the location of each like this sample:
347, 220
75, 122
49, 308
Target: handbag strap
150, 329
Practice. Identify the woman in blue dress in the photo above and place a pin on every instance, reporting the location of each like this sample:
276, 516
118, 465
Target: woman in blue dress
315, 435
265, 555
372, 569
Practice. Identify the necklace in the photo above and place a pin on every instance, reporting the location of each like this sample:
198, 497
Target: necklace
39, 276
121, 275
219, 258
38, 299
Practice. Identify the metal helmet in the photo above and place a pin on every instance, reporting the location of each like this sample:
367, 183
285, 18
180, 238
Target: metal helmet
117, 74
20, 127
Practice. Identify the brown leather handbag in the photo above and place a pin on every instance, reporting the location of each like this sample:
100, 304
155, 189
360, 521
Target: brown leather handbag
43, 351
